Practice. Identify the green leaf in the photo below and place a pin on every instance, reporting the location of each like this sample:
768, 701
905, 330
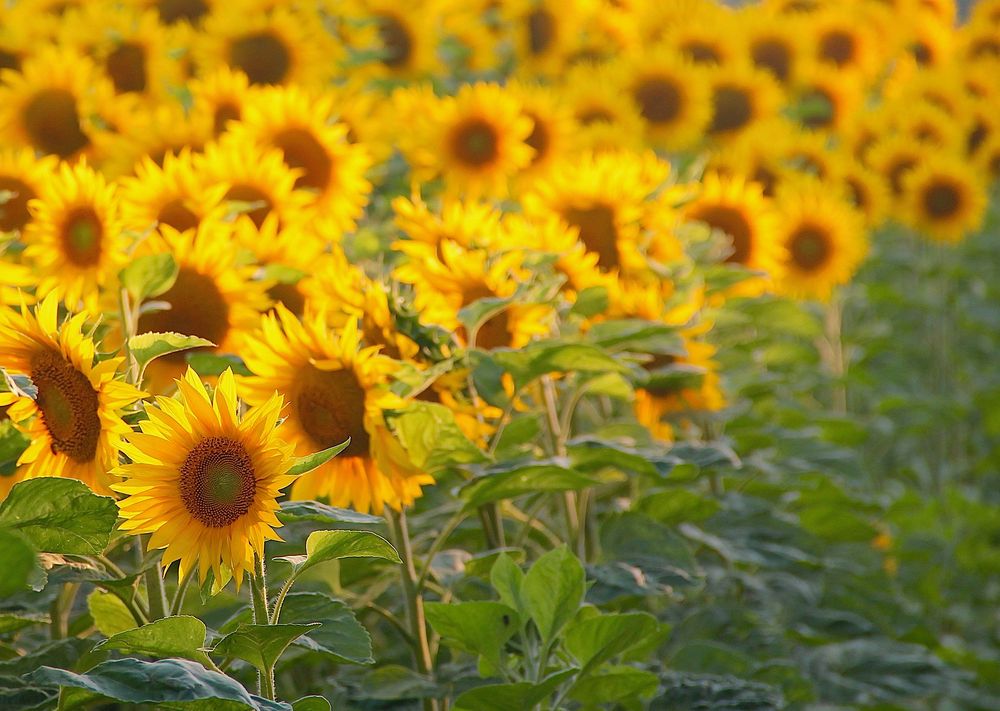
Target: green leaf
504, 697
181, 636
60, 516
13, 621
536, 359
150, 275
110, 614
304, 465
479, 627
294, 511
322, 546
261, 645
340, 637
431, 437
705, 692
19, 563
507, 579
553, 591
168, 681
496, 484
636, 335
12, 444
148, 346
591, 301
678, 506
311, 703
596, 640
210, 364
614, 687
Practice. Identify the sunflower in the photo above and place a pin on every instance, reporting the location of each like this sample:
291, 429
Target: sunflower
842, 42
212, 298
169, 194
760, 153
607, 117
827, 100
472, 224
545, 32
709, 38
302, 126
892, 158
22, 176
181, 12
74, 240
336, 390
48, 104
552, 126
942, 198
73, 422
221, 97
478, 138
931, 41
204, 481
403, 39
739, 209
823, 236
930, 125
774, 43
864, 190
283, 45
672, 95
605, 197
741, 96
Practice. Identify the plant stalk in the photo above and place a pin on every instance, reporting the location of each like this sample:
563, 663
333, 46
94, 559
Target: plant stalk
258, 594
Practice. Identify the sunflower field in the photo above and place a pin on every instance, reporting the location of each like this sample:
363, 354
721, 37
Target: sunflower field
500, 355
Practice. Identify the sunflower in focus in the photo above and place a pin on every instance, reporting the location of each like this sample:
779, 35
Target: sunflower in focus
205, 481
74, 241
335, 390
943, 198
22, 177
73, 422
169, 194
823, 236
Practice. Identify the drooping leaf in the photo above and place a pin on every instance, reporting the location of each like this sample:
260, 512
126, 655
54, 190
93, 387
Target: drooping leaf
598, 639
553, 591
110, 614
322, 546
340, 637
13, 621
261, 645
504, 697
431, 437
480, 627
305, 464
495, 485
60, 516
293, 511
148, 346
19, 563
181, 636
149, 275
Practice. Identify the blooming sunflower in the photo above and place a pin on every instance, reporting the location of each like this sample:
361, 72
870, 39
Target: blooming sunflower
73, 422
205, 481
774, 42
707, 37
545, 32
823, 236
169, 194
607, 116
469, 223
827, 100
741, 96
403, 38
942, 198
22, 176
866, 192
840, 40
892, 158
552, 126
220, 96
335, 390
74, 240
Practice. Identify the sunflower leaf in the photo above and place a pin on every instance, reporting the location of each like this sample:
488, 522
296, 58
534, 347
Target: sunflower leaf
293, 511
304, 465
60, 516
261, 645
181, 636
146, 347
322, 546
19, 562
150, 275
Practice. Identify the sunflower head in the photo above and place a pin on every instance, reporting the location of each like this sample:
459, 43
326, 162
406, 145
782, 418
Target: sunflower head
944, 199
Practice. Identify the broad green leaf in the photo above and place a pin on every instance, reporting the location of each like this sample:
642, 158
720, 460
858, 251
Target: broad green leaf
678, 506
110, 614
148, 346
528, 479
311, 703
710, 656
149, 275
168, 681
637, 336
393, 682
12, 444
591, 301
322, 546
304, 465
64, 653
181, 636
553, 591
537, 359
507, 579
60, 516
293, 511
596, 640
19, 563
16, 693
684, 692
505, 697
614, 687
208, 364
431, 437
13, 621
340, 636
261, 645
479, 627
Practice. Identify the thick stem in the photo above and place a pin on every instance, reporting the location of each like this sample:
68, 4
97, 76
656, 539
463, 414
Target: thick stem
60, 611
280, 600
833, 325
156, 593
182, 583
258, 594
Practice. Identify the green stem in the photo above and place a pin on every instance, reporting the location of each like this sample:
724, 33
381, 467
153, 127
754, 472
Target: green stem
178, 601
280, 600
156, 593
60, 611
258, 593
441, 539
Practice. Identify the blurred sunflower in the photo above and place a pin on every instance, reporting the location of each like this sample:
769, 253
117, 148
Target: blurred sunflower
552, 126
469, 223
607, 116
865, 190
73, 422
709, 37
943, 199
545, 32
169, 194
402, 39
827, 100
741, 96
892, 158
205, 481
336, 390
73, 242
22, 177
930, 125
823, 236
774, 42
843, 41
220, 96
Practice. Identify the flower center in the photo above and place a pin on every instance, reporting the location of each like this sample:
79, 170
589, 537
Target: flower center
303, 151
14, 213
224, 113
217, 481
731, 221
809, 247
837, 47
68, 404
82, 234
898, 170
53, 123
659, 100
474, 143
197, 308
701, 52
177, 215
541, 30
598, 232
396, 41
262, 57
289, 296
126, 66
172, 11
857, 193
774, 56
9, 60
248, 193
732, 109
942, 201
331, 408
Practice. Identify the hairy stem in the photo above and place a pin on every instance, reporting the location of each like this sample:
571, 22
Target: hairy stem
258, 594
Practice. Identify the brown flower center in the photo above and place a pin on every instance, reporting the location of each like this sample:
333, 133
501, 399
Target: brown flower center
197, 308
250, 194
774, 56
172, 11
126, 66
541, 30
53, 123
82, 236
838, 47
176, 214
217, 481
732, 108
262, 57
224, 113
942, 200
14, 213
898, 169
303, 151
976, 136
68, 405
857, 192
731, 221
9, 60
474, 143
659, 99
598, 232
331, 407
809, 247
289, 296
396, 41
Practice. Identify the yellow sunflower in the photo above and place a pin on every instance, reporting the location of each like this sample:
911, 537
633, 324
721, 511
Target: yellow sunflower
168, 194
22, 176
866, 192
553, 129
741, 96
842, 41
827, 100
469, 223
205, 481
892, 158
74, 240
607, 116
943, 199
402, 38
823, 236
220, 96
181, 12
335, 389
73, 422
774, 43
710, 37
545, 32
302, 126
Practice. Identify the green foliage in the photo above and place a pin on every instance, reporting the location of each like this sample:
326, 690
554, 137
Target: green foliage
146, 347
149, 275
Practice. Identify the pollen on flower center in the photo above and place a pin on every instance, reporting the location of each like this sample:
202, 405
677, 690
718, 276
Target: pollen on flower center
68, 405
217, 481
331, 408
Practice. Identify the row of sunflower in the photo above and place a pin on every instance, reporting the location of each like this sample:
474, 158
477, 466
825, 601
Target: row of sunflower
358, 203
